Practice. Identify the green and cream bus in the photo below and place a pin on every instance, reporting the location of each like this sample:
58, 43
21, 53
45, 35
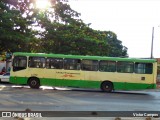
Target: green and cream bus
105, 73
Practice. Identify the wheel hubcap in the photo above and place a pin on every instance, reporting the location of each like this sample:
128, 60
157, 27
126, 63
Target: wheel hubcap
107, 87
33, 82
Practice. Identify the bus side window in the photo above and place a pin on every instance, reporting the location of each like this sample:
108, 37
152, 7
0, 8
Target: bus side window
19, 63
143, 68
72, 64
125, 67
54, 63
89, 65
107, 66
36, 62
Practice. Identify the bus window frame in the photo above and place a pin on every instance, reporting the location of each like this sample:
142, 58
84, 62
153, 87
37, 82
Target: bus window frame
124, 69
76, 66
144, 68
108, 66
82, 66
41, 65
61, 65
19, 68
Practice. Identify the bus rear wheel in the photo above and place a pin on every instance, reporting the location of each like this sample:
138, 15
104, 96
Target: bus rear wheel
34, 83
106, 86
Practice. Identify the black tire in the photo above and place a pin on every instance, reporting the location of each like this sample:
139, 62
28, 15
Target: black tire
34, 83
106, 86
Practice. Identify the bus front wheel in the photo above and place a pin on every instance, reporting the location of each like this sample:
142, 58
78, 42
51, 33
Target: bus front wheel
34, 83
107, 86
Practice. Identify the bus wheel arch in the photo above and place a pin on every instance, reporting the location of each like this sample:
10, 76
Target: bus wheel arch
34, 82
107, 86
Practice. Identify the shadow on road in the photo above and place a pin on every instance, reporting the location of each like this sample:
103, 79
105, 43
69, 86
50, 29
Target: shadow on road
5, 84
114, 92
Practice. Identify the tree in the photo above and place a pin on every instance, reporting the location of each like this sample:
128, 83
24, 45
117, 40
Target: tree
55, 30
66, 33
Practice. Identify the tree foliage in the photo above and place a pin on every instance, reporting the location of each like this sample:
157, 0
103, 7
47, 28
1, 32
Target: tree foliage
115, 47
59, 29
14, 30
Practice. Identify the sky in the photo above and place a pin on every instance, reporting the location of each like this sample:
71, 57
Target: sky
131, 20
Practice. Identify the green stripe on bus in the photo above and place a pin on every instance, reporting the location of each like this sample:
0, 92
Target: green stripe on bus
84, 83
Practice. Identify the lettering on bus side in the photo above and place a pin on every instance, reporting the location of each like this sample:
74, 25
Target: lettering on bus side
67, 73
33, 75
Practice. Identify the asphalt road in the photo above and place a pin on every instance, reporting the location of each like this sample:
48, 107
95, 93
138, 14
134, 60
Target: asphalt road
20, 98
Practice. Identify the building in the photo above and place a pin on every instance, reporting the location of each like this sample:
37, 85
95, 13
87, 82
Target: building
158, 70
158, 61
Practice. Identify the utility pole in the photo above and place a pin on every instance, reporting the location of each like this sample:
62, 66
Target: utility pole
152, 43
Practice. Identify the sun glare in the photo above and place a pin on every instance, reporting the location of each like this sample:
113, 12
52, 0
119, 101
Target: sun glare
42, 4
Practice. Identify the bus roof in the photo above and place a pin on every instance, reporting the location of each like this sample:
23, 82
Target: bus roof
86, 57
